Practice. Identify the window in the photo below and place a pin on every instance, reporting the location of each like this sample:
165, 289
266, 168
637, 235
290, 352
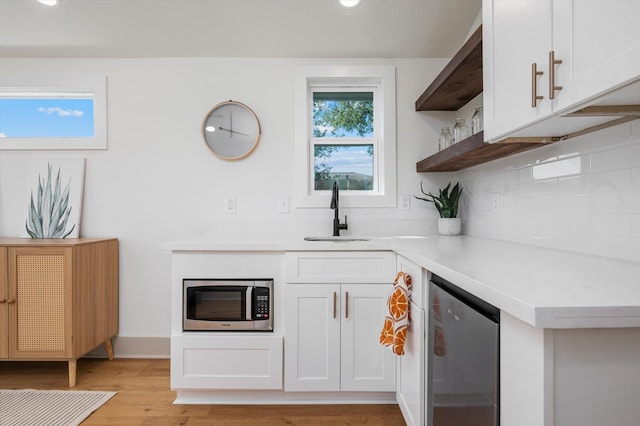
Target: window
345, 132
53, 113
343, 139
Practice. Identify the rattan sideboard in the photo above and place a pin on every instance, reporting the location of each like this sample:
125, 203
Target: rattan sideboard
58, 298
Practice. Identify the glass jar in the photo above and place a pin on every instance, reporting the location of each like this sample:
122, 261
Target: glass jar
445, 140
460, 130
477, 120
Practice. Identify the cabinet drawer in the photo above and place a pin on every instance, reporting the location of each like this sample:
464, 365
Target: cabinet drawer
340, 267
212, 361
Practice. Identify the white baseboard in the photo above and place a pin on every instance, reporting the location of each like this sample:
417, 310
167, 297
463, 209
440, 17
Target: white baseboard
275, 397
135, 347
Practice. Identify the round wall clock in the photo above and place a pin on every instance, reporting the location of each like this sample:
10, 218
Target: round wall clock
231, 130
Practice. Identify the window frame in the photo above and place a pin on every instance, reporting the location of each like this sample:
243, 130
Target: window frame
95, 85
352, 77
347, 141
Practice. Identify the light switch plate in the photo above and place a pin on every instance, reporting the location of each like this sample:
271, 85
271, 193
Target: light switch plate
283, 205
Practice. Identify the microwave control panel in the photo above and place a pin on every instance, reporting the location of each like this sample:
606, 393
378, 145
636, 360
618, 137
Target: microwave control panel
261, 295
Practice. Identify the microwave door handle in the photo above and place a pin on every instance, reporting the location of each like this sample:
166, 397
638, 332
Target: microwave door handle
248, 303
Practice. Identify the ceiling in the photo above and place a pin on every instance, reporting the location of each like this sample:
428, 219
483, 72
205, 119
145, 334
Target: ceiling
236, 28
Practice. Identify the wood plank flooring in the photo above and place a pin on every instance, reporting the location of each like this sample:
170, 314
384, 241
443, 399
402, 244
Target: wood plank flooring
144, 398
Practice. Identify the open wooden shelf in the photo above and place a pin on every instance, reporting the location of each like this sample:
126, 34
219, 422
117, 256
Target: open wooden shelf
459, 82
473, 151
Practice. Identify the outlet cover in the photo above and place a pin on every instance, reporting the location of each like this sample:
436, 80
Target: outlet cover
230, 204
495, 202
405, 202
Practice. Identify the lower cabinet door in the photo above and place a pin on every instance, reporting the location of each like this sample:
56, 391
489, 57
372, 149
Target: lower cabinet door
40, 285
332, 338
366, 365
411, 371
4, 307
215, 361
312, 344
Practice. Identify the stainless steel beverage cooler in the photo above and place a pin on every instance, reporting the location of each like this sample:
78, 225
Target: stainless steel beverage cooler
463, 358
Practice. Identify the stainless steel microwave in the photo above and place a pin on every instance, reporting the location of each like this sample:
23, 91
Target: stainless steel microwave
227, 305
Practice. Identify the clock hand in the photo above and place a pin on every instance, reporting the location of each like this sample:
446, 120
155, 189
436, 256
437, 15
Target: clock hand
232, 131
231, 123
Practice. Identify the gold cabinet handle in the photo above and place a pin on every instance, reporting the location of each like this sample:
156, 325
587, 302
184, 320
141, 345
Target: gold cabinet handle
552, 74
2, 300
335, 298
534, 85
346, 304
11, 301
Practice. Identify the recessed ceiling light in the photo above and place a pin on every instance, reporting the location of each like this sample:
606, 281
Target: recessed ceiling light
50, 3
349, 3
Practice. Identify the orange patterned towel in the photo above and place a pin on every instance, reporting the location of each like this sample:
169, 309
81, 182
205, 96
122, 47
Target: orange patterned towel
396, 322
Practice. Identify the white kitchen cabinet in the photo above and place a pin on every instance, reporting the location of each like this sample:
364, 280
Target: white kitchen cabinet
515, 34
597, 42
580, 376
411, 374
332, 338
411, 387
209, 367
332, 327
312, 347
226, 361
365, 364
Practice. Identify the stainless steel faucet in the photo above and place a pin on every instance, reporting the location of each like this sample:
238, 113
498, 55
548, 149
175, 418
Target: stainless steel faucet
335, 202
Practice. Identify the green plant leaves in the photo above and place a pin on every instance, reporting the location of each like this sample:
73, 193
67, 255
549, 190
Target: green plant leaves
446, 203
48, 216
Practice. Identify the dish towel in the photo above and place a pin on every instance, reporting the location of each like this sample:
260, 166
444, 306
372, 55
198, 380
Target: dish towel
396, 321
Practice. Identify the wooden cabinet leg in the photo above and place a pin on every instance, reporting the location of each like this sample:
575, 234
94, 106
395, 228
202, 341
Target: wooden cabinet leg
109, 347
72, 372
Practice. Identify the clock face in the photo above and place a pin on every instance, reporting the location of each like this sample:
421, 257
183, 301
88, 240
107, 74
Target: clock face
231, 130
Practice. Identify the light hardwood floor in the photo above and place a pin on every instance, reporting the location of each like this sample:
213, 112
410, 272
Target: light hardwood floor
144, 398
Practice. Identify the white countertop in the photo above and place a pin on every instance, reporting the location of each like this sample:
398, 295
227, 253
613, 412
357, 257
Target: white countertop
543, 287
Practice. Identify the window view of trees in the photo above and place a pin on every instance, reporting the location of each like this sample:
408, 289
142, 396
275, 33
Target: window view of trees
343, 115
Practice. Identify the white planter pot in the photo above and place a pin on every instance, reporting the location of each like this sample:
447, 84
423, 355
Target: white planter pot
449, 226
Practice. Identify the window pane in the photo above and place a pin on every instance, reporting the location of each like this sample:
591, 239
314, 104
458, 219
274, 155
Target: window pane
350, 165
342, 114
46, 117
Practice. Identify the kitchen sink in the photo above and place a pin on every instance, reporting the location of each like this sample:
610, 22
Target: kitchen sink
337, 239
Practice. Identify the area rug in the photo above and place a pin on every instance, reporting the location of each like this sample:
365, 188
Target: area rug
48, 407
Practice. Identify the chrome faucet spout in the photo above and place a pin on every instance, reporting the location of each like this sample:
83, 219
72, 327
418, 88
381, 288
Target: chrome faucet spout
335, 203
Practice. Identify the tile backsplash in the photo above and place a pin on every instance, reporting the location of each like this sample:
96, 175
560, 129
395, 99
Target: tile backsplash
581, 194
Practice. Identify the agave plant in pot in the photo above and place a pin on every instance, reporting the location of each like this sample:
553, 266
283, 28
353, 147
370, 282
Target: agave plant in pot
447, 205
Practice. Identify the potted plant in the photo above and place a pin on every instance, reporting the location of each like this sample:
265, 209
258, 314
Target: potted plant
447, 205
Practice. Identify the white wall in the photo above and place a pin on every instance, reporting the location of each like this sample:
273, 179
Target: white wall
582, 194
158, 182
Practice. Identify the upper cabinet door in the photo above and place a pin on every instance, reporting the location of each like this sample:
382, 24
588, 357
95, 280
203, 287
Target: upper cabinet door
516, 35
598, 42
